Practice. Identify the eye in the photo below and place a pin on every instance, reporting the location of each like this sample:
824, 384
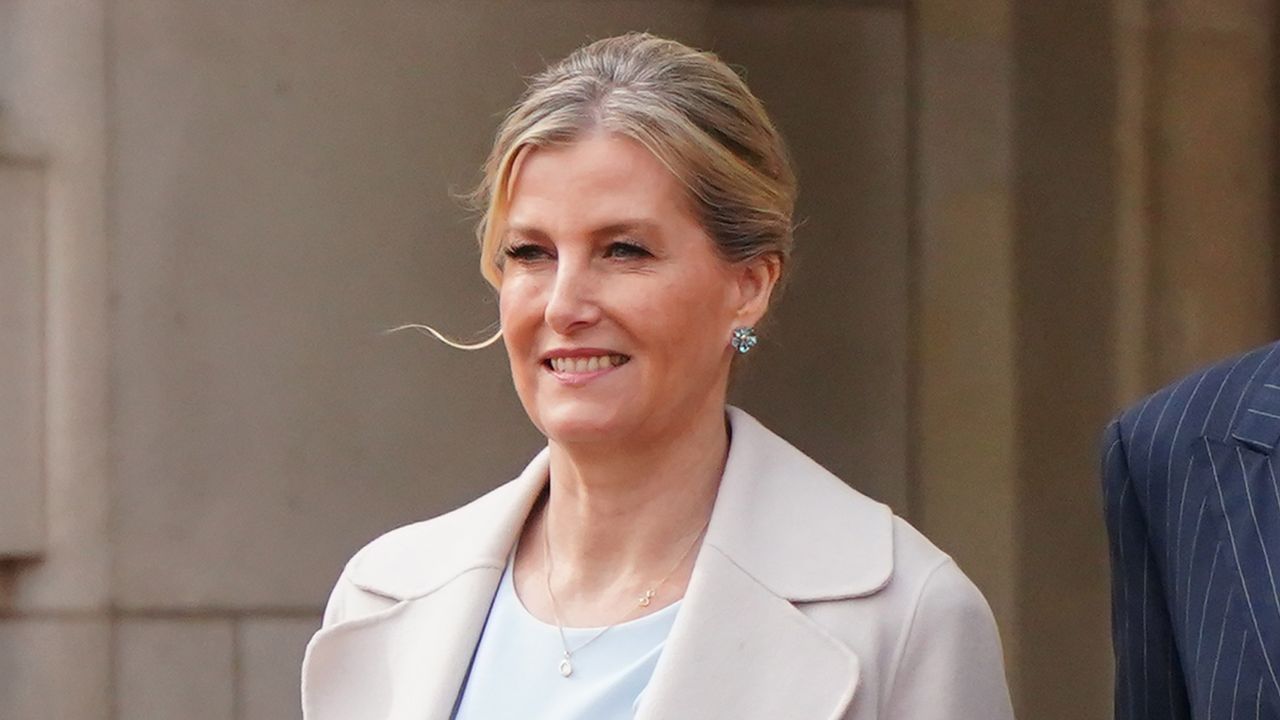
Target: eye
626, 250
527, 253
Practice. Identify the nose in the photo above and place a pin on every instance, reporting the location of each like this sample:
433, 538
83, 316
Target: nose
573, 303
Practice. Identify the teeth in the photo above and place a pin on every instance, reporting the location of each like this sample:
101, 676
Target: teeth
586, 365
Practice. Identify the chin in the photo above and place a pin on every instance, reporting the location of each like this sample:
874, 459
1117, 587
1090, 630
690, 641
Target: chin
578, 423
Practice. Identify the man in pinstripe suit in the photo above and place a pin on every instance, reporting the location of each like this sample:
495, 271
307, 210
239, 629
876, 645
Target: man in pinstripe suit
1193, 514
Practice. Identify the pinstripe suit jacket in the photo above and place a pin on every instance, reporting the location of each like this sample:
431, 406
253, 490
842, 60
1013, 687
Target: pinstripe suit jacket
1193, 516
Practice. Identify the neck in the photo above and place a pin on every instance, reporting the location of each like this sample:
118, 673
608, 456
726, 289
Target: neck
622, 519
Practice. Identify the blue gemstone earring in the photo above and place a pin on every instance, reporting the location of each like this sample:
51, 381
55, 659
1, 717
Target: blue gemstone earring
744, 338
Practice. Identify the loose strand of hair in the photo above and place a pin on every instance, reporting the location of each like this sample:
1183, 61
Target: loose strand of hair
432, 332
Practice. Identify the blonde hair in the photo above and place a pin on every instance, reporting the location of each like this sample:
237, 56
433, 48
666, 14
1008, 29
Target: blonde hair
686, 107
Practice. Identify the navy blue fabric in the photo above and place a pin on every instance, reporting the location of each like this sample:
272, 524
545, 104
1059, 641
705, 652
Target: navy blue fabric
1193, 516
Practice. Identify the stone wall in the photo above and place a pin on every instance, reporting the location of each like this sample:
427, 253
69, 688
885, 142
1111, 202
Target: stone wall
209, 213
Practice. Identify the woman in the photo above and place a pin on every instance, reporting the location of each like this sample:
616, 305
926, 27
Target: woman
665, 556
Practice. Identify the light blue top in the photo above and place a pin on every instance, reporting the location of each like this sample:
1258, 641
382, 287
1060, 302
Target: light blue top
515, 673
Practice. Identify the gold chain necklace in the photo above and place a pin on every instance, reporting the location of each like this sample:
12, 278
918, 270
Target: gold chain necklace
646, 599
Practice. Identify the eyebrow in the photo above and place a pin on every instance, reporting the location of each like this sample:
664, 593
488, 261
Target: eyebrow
621, 227
528, 231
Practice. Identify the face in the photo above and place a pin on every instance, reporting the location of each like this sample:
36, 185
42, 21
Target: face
616, 308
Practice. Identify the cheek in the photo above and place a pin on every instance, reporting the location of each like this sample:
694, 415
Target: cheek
693, 317
517, 331
517, 306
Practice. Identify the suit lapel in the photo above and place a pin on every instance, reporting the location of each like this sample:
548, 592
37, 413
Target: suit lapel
739, 651
1245, 495
1257, 422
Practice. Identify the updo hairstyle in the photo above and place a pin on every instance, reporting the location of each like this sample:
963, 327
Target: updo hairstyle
686, 107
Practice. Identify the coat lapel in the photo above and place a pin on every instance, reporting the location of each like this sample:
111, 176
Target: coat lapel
739, 651
784, 531
438, 579
405, 663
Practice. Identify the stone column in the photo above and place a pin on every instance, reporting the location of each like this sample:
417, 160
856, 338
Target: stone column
55, 635
1065, 96
965, 490
1095, 216
22, 392
1211, 181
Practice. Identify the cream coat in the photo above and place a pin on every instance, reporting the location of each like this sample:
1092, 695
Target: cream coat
808, 601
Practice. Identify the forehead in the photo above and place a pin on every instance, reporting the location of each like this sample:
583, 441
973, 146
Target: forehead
597, 180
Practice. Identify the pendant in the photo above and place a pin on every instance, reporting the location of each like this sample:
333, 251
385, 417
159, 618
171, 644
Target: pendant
646, 598
566, 668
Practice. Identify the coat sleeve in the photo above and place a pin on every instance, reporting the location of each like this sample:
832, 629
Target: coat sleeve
1148, 676
951, 664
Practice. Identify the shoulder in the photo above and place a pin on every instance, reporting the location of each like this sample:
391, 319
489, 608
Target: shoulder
929, 632
1203, 403
805, 533
1210, 394
931, 582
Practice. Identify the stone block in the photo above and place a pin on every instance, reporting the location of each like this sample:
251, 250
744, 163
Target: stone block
270, 660
55, 670
22, 356
175, 668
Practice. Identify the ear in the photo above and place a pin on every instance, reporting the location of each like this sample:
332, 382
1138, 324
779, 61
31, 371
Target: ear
756, 279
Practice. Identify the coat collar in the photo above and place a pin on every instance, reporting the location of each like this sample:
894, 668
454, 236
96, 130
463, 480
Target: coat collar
783, 519
783, 530
418, 559
792, 525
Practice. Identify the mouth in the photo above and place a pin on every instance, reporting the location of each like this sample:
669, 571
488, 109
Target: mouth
585, 364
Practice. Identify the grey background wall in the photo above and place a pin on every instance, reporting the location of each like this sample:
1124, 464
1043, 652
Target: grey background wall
1017, 217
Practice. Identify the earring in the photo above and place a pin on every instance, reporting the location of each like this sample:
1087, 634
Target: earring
744, 338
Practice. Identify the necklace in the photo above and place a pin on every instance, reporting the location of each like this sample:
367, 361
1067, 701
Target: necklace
646, 599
